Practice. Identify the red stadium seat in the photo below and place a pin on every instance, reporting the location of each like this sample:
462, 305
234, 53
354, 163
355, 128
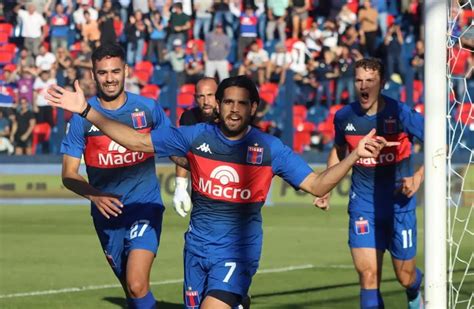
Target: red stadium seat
41, 133
144, 66
6, 31
185, 100
118, 27
271, 87
299, 113
188, 88
74, 49
268, 97
7, 53
150, 91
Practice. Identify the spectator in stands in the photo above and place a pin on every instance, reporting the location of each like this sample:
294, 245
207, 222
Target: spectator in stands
280, 61
223, 16
157, 44
326, 71
255, 63
143, 6
351, 39
32, 29
418, 60
313, 38
124, 9
194, 65
329, 35
25, 84
40, 87
299, 15
346, 68
176, 57
45, 59
131, 83
71, 76
83, 58
345, 18
276, 18
382, 13
368, 27
393, 42
22, 128
106, 19
179, 24
25, 60
78, 14
5, 142
59, 22
90, 31
203, 9
63, 62
262, 17
248, 31
136, 32
217, 48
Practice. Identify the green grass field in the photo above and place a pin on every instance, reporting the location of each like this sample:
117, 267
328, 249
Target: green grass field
52, 256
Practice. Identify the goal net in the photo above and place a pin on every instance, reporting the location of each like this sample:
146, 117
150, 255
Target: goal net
460, 125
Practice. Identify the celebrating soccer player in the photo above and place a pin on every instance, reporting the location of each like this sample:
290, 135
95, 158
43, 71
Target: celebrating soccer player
381, 200
232, 165
126, 205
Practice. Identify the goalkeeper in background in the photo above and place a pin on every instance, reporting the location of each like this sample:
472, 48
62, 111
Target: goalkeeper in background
205, 111
382, 205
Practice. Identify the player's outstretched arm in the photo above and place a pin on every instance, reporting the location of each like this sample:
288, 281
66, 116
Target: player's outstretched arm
76, 102
368, 147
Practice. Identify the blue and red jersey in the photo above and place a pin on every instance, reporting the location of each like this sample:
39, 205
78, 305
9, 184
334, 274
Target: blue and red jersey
111, 168
230, 182
375, 180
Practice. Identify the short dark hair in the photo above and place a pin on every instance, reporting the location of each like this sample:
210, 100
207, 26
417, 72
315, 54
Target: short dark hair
240, 81
371, 64
108, 51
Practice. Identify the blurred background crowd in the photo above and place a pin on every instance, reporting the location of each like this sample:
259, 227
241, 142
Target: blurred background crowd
301, 53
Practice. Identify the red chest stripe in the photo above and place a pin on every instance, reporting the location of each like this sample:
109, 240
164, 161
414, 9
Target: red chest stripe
388, 155
102, 152
230, 182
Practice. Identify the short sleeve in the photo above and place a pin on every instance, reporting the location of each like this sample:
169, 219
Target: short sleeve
172, 141
74, 142
413, 122
288, 165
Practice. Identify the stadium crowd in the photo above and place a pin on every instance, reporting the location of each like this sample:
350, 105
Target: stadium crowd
309, 46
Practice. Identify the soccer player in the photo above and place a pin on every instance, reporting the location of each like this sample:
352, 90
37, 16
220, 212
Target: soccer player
381, 200
232, 165
206, 111
126, 205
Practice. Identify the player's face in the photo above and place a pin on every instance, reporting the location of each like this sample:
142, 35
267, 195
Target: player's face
368, 85
236, 112
109, 75
206, 97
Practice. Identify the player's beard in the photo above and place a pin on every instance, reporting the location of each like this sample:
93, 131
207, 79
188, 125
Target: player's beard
106, 97
235, 131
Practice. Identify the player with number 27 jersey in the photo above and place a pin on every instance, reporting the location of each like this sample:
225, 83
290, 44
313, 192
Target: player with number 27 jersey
116, 170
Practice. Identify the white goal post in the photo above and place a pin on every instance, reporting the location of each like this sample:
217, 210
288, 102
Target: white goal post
435, 12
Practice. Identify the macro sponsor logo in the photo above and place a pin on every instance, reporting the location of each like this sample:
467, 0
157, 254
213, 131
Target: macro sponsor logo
118, 155
383, 158
225, 175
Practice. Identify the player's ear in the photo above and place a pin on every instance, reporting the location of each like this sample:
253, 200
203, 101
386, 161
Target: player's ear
253, 108
126, 70
218, 106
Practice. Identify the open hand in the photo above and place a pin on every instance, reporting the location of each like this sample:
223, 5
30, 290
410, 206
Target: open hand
108, 205
72, 101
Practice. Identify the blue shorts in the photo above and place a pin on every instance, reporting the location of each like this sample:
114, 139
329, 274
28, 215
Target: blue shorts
395, 232
118, 236
202, 275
